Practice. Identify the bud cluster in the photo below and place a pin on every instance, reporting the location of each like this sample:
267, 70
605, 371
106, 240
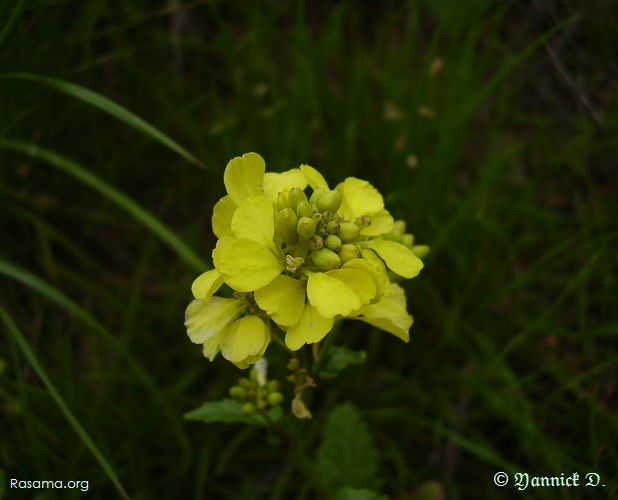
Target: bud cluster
312, 227
255, 396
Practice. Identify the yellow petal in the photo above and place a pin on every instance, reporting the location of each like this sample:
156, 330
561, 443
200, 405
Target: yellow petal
206, 319
314, 178
275, 183
372, 270
381, 223
243, 176
359, 198
311, 328
390, 314
398, 257
222, 217
254, 220
206, 284
382, 275
359, 281
247, 265
330, 296
283, 299
246, 338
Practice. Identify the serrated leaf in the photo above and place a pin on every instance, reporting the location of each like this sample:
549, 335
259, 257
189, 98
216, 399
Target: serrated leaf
347, 457
358, 494
337, 359
229, 411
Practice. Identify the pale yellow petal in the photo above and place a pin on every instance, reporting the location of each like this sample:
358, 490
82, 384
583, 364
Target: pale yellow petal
330, 296
311, 328
375, 272
246, 338
243, 176
254, 220
314, 178
222, 217
398, 257
283, 299
206, 284
247, 265
359, 198
275, 183
390, 314
381, 223
359, 281
206, 319
382, 276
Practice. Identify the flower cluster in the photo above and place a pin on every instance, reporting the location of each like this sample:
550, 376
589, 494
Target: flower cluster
298, 255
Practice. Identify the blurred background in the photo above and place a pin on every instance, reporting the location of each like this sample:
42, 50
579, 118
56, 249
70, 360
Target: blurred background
489, 126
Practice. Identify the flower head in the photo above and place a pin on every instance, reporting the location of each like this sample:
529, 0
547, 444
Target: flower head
299, 256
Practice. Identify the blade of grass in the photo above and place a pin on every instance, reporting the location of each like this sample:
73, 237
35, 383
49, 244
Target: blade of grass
55, 295
42, 374
9, 24
108, 106
119, 198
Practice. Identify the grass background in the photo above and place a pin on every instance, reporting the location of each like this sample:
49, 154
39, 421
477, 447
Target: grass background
503, 162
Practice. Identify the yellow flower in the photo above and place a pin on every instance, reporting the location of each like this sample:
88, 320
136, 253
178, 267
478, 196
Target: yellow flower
217, 324
300, 262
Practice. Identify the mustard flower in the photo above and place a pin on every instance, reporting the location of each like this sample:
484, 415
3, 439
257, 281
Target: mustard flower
301, 262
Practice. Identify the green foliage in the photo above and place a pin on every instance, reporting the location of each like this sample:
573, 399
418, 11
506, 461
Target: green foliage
491, 129
230, 411
358, 494
337, 359
347, 457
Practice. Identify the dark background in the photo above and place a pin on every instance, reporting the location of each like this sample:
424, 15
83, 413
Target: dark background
490, 127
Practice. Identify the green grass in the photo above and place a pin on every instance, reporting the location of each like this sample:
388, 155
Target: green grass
106, 221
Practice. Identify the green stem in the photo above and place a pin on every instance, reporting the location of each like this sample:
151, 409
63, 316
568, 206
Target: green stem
323, 349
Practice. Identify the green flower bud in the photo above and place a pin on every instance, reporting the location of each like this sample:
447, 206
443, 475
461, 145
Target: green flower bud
304, 209
348, 232
407, 240
315, 197
333, 242
293, 364
261, 404
348, 252
238, 392
244, 382
273, 385
333, 226
420, 250
324, 258
327, 215
285, 225
399, 228
295, 197
275, 398
316, 242
306, 227
283, 200
247, 408
331, 200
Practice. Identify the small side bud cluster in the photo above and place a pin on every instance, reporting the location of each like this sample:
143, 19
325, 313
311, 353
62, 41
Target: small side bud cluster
301, 380
256, 393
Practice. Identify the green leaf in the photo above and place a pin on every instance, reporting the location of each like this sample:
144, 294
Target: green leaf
358, 494
108, 106
230, 411
42, 374
123, 201
347, 456
337, 359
